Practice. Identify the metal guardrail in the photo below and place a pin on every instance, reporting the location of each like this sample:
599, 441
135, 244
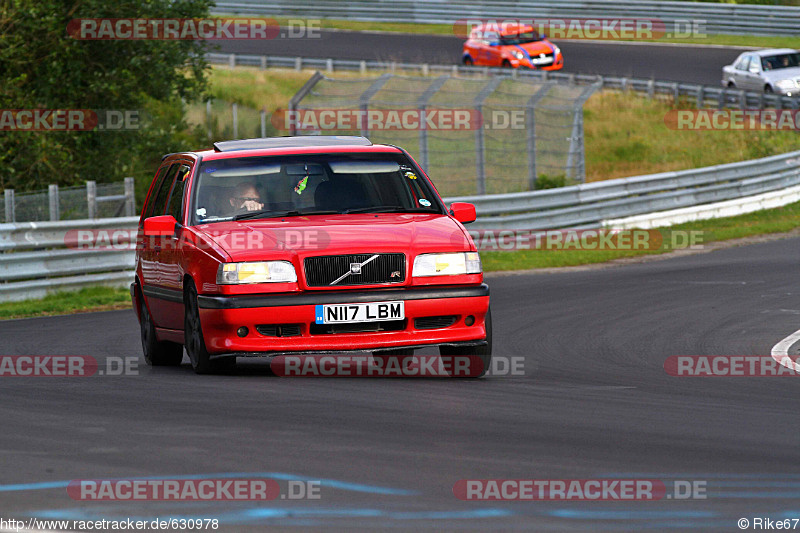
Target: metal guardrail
721, 18
589, 204
36, 257
700, 95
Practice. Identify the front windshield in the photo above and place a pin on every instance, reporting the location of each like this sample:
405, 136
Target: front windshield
520, 38
298, 185
780, 61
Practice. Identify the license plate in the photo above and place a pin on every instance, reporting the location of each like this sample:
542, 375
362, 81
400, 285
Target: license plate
353, 313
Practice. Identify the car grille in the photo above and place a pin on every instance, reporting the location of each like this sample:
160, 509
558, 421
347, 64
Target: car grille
324, 270
359, 327
434, 322
279, 330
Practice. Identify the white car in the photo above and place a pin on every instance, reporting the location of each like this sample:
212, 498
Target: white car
771, 71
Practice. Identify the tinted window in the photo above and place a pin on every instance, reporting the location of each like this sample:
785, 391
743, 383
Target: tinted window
160, 203
176, 198
151, 199
780, 61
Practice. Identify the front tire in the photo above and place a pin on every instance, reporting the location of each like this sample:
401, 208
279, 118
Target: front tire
156, 353
484, 352
193, 337
467, 60
768, 89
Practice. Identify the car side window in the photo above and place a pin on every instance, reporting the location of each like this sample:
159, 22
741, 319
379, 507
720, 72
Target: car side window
175, 207
742, 63
160, 202
755, 65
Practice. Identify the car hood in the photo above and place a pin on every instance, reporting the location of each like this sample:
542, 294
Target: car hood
782, 74
300, 237
533, 48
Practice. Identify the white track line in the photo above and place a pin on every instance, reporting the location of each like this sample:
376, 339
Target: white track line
780, 352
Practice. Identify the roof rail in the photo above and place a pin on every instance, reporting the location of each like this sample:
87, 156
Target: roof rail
300, 141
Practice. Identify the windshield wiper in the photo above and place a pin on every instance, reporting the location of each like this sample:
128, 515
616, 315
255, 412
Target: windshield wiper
280, 214
386, 209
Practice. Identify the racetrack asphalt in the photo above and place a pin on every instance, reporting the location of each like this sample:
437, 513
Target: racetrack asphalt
683, 63
595, 402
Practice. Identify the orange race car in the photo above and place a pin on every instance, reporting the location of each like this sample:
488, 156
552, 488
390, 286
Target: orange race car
511, 45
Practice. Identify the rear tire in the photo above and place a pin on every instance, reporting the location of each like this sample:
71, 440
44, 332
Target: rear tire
484, 351
768, 89
193, 335
156, 353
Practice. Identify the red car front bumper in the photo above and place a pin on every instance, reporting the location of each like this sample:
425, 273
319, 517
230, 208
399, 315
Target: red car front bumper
223, 316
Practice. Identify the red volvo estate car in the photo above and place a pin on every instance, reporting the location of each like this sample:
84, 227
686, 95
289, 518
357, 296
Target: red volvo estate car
307, 244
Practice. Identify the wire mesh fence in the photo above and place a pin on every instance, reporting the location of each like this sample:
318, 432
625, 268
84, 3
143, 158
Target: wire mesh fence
515, 134
93, 200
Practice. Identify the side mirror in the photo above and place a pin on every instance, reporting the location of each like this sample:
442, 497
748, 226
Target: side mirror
463, 212
160, 226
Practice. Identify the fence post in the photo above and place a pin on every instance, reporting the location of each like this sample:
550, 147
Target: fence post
91, 198
531, 132
235, 113
298, 97
8, 194
364, 99
130, 198
208, 119
480, 139
52, 196
422, 104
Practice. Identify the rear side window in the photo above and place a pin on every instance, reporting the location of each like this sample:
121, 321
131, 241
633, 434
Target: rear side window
157, 181
175, 207
159, 205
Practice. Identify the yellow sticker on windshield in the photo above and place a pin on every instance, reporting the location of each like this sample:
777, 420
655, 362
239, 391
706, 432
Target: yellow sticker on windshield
411, 175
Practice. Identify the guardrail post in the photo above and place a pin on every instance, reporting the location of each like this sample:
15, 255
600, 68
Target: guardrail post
232, 61
130, 198
8, 196
362, 67
91, 198
235, 117
329, 65
298, 64
263, 62
52, 197
722, 98
651, 88
676, 93
700, 96
263, 123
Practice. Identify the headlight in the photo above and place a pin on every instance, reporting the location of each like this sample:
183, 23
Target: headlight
518, 55
262, 272
786, 84
556, 50
447, 264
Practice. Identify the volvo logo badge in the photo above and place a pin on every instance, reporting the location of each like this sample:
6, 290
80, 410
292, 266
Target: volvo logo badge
355, 268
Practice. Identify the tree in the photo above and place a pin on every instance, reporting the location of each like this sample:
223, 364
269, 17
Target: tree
43, 67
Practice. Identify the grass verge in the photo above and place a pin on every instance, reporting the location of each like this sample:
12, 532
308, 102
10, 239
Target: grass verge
61, 303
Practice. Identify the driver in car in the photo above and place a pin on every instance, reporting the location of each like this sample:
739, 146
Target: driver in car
245, 197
